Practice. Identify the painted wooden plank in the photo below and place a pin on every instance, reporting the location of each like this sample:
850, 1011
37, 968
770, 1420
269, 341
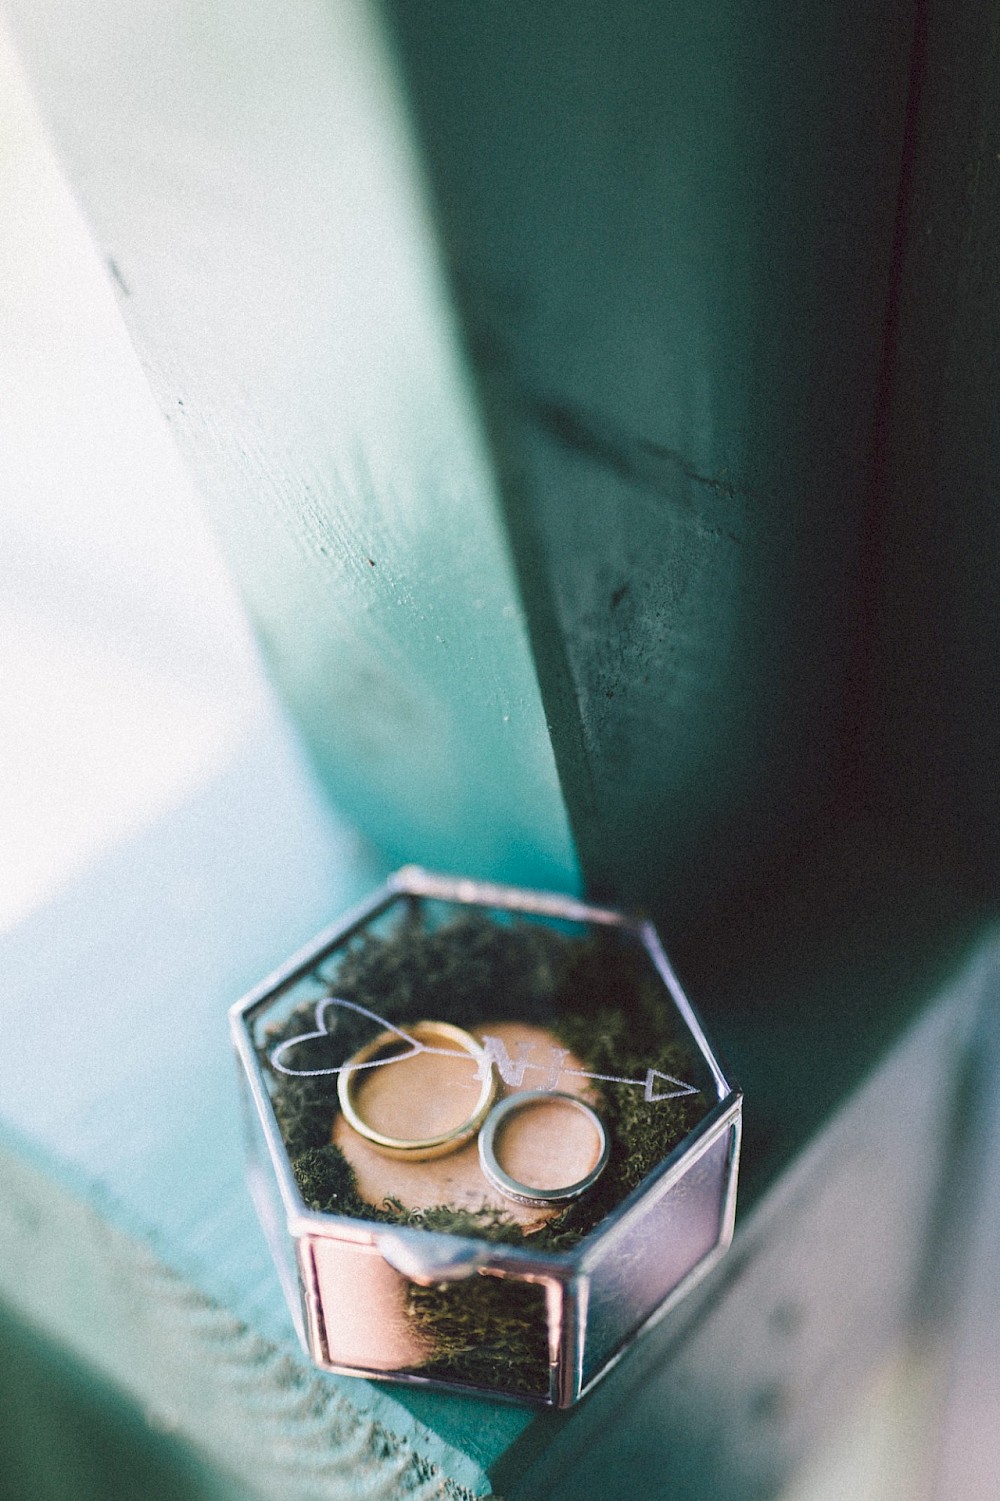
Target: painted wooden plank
247, 175
65, 1431
669, 229
127, 1230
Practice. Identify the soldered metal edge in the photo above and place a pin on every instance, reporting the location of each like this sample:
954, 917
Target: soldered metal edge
564, 1273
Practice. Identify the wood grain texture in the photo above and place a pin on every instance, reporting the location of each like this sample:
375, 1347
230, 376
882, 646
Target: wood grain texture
246, 172
65, 1431
252, 1407
669, 228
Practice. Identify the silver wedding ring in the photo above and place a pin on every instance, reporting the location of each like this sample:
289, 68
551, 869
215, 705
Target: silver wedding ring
527, 1193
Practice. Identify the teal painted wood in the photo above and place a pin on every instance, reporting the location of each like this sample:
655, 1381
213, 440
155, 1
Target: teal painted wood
66, 1432
247, 173
669, 229
126, 1228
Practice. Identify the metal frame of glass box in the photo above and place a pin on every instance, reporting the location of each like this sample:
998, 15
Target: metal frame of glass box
599, 1296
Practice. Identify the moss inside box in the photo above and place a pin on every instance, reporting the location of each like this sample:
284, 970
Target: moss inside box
597, 994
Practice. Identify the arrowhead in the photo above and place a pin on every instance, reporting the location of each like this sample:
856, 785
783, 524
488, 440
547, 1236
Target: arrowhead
678, 1092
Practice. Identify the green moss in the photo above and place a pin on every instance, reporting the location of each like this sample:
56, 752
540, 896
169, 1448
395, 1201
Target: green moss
327, 1184
614, 1017
486, 1331
598, 995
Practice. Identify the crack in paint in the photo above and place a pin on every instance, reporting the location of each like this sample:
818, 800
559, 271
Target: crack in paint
637, 460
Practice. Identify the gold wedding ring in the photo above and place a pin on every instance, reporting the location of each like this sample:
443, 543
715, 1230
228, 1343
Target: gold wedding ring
440, 1038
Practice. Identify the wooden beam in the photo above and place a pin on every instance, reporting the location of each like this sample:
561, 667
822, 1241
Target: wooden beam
670, 229
247, 174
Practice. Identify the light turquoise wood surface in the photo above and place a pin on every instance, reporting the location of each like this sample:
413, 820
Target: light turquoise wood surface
127, 1230
246, 171
65, 1432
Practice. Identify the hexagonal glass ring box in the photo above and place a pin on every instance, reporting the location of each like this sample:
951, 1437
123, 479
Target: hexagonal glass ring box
490, 1142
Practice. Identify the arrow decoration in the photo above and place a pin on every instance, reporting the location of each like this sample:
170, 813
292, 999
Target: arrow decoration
495, 1054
